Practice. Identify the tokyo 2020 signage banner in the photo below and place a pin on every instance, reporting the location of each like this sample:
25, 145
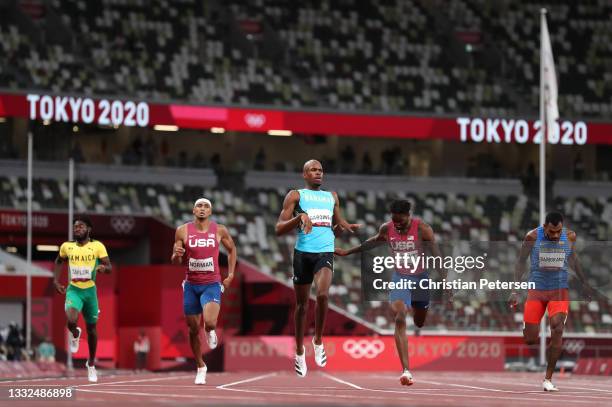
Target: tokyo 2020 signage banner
364, 353
138, 113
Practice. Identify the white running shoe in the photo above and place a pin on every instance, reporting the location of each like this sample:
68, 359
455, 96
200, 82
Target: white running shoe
201, 375
92, 376
319, 354
406, 378
211, 338
74, 342
548, 386
300, 364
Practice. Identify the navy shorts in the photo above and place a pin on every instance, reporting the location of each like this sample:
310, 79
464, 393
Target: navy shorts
195, 297
417, 298
306, 265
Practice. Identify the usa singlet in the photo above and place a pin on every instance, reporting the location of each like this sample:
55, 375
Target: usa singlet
409, 245
202, 252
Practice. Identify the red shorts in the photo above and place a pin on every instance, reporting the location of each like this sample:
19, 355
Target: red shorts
538, 301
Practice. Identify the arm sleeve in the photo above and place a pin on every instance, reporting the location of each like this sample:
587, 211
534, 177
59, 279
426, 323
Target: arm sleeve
62, 251
101, 251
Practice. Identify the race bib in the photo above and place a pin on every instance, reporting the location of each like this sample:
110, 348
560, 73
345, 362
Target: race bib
203, 265
80, 273
551, 259
320, 217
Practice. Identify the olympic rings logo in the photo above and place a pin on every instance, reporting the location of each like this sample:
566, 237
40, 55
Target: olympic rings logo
363, 348
574, 346
122, 224
254, 120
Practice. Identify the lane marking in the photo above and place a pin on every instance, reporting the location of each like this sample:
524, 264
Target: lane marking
125, 393
152, 379
564, 386
336, 379
252, 379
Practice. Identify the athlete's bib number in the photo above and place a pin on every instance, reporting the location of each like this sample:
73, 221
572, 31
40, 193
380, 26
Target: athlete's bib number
320, 217
551, 259
80, 273
202, 265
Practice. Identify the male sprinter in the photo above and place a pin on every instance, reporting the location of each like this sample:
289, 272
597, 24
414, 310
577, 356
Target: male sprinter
551, 249
86, 258
318, 216
199, 241
404, 234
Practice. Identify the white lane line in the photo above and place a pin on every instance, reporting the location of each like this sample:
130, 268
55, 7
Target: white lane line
421, 391
153, 379
46, 379
36, 385
276, 393
130, 393
266, 387
469, 387
252, 379
534, 392
564, 385
336, 379
476, 396
567, 386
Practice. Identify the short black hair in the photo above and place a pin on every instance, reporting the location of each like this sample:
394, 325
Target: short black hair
554, 218
400, 206
82, 218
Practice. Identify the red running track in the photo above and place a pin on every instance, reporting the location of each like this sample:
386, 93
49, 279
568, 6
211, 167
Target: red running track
321, 389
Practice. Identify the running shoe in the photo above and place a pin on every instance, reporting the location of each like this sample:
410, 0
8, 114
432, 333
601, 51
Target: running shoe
548, 386
201, 375
211, 338
92, 376
319, 354
406, 378
300, 364
74, 342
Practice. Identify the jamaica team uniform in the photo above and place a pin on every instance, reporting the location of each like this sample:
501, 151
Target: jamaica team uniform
81, 293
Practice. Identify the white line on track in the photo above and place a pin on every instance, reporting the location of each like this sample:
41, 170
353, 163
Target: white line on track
132, 393
277, 393
535, 392
336, 379
418, 391
562, 383
524, 397
193, 396
252, 379
152, 379
465, 386
488, 397
569, 386
46, 379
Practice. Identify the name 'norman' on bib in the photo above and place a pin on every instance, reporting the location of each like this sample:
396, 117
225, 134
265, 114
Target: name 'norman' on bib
202, 252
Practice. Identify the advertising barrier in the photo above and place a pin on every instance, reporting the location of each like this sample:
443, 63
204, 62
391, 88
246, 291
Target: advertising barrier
265, 353
136, 113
